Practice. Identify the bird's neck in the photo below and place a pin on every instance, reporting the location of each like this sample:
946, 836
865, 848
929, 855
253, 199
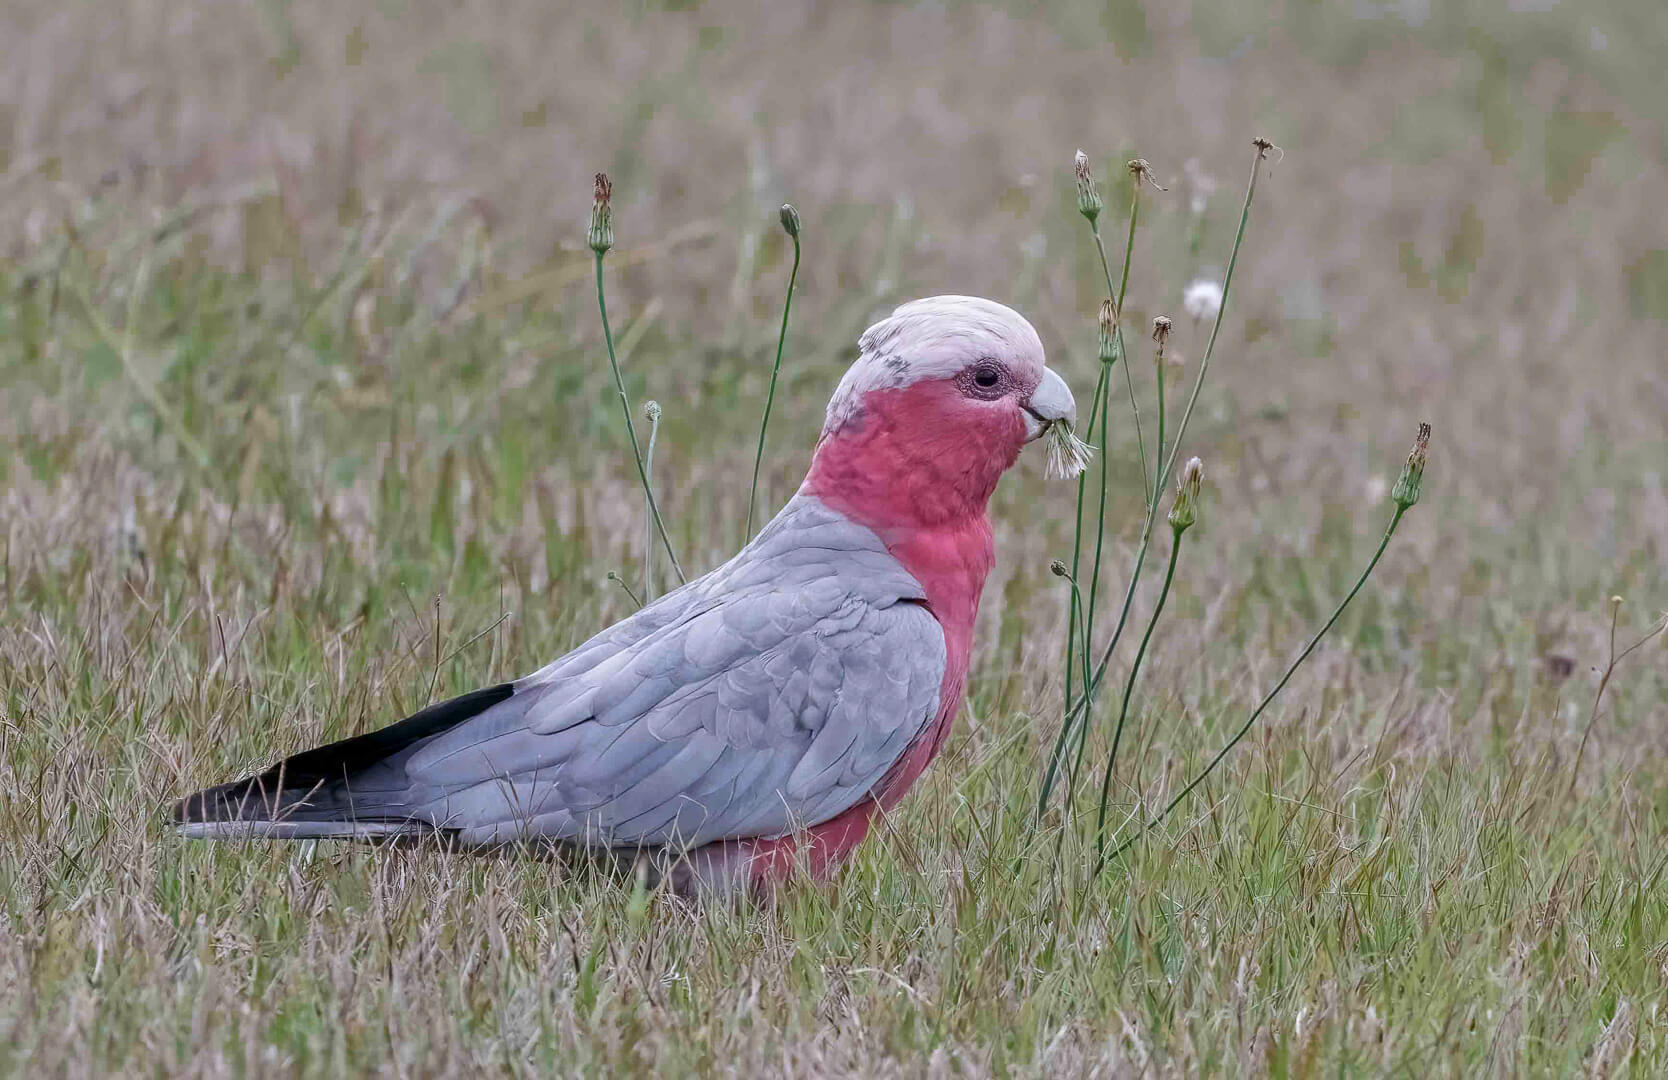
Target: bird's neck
919, 474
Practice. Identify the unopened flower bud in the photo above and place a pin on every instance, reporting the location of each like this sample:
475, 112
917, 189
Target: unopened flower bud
1088, 193
1406, 491
1108, 331
790, 220
1058, 569
651, 411
1184, 511
601, 233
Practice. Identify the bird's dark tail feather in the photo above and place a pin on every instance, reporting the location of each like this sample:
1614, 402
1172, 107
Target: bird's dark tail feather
331, 790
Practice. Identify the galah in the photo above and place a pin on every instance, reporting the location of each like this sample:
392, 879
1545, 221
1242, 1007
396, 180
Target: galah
758, 718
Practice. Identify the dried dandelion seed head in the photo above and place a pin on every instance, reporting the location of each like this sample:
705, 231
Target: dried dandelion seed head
1108, 331
1264, 146
601, 233
1141, 170
1161, 335
1406, 491
1185, 510
1067, 454
1088, 193
790, 220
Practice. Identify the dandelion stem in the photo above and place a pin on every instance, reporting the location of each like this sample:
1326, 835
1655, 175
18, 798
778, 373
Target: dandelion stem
631, 430
1076, 608
1389, 531
1222, 309
1129, 691
1102, 390
621, 582
648, 523
1604, 682
770, 397
1152, 492
1100, 537
1181, 430
1158, 478
1085, 701
1098, 410
1159, 335
1106, 269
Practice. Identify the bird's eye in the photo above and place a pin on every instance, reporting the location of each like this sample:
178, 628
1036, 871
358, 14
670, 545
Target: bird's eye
986, 379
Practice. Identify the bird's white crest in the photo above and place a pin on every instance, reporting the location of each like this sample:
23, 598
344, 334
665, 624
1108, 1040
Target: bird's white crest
934, 338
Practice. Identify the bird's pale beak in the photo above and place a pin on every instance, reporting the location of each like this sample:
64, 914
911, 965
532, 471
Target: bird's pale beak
1050, 402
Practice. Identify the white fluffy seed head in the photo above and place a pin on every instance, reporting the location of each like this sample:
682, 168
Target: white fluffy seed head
1202, 299
1067, 454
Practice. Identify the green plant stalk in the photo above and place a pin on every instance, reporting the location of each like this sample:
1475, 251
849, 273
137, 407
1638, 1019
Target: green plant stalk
1102, 389
1158, 478
1129, 692
1118, 331
1117, 737
1101, 406
1389, 531
621, 582
1222, 310
1181, 430
631, 430
770, 397
648, 515
1100, 531
1077, 619
1118, 317
1604, 682
1081, 706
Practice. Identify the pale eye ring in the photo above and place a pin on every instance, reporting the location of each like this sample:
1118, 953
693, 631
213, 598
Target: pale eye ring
986, 379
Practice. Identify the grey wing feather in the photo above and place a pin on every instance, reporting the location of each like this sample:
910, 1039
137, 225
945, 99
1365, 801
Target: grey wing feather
772, 694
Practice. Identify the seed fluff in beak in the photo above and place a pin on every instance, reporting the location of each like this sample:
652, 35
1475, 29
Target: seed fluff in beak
1067, 454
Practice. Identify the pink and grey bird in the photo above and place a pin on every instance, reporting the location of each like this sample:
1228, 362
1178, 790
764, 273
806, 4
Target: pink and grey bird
760, 716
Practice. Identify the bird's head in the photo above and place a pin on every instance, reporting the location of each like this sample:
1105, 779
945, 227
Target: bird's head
943, 395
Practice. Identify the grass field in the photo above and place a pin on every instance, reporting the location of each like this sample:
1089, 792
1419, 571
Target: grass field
305, 422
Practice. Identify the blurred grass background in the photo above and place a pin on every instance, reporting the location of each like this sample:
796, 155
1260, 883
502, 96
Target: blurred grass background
301, 390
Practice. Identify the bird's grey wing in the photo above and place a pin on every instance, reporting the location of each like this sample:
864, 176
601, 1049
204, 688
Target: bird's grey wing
767, 710
806, 542
774, 691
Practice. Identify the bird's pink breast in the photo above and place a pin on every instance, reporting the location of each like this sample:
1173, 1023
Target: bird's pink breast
918, 468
